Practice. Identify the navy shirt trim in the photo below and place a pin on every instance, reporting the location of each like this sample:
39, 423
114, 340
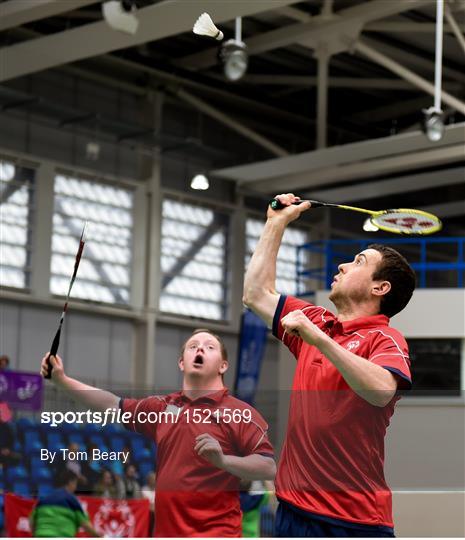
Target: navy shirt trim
334, 521
277, 314
407, 382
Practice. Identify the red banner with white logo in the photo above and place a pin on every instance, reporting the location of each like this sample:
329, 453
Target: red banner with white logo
116, 518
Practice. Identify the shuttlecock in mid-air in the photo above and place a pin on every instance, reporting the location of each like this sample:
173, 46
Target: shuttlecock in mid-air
204, 26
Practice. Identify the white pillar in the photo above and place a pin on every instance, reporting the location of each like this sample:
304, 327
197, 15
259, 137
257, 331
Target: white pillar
236, 260
147, 255
322, 98
42, 227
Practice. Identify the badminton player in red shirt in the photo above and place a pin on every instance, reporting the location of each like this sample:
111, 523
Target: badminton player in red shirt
207, 441
349, 369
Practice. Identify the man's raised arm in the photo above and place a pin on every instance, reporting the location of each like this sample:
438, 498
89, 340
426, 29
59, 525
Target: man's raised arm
260, 278
94, 398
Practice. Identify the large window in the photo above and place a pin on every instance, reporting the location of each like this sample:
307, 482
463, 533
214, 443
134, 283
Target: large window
193, 261
104, 273
286, 267
16, 201
435, 367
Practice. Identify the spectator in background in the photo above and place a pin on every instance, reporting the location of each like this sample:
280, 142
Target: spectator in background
148, 492
91, 469
60, 514
131, 485
74, 465
254, 496
108, 487
117, 467
4, 362
5, 412
7, 455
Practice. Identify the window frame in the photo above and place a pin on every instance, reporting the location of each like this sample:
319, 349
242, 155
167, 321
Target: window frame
104, 180
32, 186
227, 210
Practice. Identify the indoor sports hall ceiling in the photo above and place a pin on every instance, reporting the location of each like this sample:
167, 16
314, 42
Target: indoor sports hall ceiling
277, 99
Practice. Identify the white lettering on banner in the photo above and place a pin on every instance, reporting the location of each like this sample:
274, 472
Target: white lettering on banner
26, 392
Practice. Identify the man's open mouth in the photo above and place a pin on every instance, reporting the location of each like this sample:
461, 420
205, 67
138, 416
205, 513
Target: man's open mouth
198, 360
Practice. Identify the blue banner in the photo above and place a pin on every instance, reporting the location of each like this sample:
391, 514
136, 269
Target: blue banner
251, 348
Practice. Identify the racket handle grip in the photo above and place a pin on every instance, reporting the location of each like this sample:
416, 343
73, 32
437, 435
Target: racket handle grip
276, 204
48, 375
53, 351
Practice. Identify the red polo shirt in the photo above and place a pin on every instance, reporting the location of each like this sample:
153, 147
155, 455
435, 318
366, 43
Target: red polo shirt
193, 497
333, 458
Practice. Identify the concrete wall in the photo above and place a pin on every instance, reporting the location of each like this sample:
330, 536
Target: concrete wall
94, 347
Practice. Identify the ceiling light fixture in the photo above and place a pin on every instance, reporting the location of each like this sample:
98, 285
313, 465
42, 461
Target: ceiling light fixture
200, 182
433, 124
433, 120
7, 171
233, 54
119, 14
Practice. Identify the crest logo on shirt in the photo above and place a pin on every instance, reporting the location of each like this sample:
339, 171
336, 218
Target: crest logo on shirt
353, 345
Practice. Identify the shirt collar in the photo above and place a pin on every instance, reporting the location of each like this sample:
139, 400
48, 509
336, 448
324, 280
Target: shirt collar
213, 397
346, 327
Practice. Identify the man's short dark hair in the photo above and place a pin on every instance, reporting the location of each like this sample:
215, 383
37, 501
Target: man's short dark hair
65, 477
394, 268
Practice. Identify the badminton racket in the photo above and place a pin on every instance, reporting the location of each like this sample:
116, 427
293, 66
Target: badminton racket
394, 220
56, 339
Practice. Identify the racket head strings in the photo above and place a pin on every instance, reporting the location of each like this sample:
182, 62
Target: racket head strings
406, 221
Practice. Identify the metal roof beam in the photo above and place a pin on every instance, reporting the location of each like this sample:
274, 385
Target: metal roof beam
411, 58
390, 112
364, 169
393, 66
402, 26
157, 21
294, 13
349, 162
393, 186
455, 28
445, 210
335, 82
17, 12
310, 33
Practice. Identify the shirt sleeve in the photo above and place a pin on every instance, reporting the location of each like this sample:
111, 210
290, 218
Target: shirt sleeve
390, 351
317, 314
79, 514
81, 517
139, 409
253, 435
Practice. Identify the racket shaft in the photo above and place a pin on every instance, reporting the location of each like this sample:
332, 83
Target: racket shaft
276, 204
56, 339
